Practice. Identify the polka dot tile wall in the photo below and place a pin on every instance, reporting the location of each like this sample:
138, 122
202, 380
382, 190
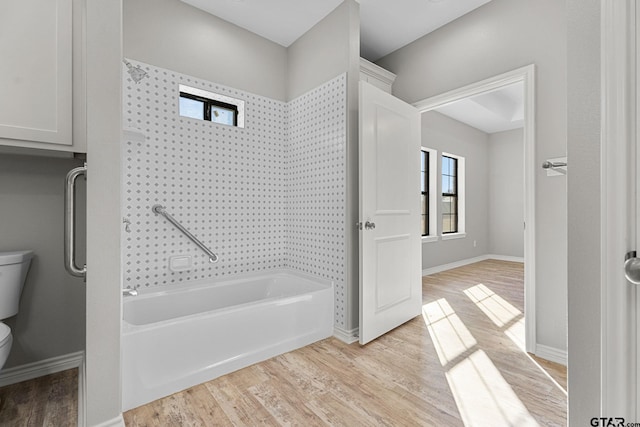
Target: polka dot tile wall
267, 196
315, 181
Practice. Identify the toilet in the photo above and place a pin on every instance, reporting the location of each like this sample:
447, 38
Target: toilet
13, 271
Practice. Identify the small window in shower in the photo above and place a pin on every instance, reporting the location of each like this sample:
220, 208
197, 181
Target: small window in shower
189, 107
197, 107
202, 105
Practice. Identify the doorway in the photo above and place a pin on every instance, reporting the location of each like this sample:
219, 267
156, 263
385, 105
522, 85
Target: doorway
525, 77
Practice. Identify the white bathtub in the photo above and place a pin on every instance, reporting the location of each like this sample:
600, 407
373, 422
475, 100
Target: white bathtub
174, 339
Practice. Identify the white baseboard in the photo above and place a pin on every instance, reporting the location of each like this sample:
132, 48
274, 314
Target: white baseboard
114, 422
463, 262
552, 354
348, 337
506, 258
33, 370
451, 265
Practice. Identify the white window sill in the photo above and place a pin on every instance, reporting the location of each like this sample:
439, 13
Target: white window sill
429, 239
453, 236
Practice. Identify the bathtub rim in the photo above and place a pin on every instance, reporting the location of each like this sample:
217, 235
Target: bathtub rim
148, 292
321, 285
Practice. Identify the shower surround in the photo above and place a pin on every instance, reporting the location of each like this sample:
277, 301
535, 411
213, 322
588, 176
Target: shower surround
264, 197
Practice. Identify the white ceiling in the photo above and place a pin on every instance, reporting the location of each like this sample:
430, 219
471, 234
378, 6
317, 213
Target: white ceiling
281, 21
385, 25
490, 112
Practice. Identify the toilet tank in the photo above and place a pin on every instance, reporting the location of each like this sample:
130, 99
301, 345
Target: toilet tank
13, 271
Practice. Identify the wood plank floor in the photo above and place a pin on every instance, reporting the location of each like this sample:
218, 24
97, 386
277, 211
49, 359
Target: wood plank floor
460, 363
51, 400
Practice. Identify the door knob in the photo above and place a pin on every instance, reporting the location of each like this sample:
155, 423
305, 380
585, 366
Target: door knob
369, 225
632, 268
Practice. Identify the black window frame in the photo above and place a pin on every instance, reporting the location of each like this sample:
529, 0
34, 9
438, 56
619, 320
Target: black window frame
424, 156
208, 103
454, 196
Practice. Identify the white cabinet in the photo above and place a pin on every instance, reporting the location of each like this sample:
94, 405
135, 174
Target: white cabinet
37, 65
376, 75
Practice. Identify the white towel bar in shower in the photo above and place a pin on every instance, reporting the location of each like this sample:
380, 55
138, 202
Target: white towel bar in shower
160, 210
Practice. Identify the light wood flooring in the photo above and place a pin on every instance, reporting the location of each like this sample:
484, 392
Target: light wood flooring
50, 401
458, 364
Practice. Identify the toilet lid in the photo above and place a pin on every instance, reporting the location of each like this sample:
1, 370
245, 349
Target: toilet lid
15, 257
5, 333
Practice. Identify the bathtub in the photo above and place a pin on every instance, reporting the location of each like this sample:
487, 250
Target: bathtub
174, 339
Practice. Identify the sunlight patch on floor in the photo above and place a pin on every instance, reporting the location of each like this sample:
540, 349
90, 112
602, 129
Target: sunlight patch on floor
450, 337
494, 306
481, 393
501, 313
483, 396
515, 333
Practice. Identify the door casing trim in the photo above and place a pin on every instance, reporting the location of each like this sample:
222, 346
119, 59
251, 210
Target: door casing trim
526, 75
617, 210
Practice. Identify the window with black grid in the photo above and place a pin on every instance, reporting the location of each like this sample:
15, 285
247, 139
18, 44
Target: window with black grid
199, 107
449, 195
424, 189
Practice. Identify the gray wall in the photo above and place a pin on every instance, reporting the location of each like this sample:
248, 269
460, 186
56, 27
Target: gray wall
330, 48
51, 320
442, 133
584, 99
104, 214
501, 36
506, 193
494, 190
173, 35
323, 52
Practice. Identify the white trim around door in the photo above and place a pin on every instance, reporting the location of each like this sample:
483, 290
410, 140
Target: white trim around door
527, 76
618, 207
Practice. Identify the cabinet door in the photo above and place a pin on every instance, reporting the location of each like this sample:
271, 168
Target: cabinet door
36, 71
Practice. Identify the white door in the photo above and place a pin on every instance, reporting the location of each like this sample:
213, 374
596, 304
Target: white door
390, 251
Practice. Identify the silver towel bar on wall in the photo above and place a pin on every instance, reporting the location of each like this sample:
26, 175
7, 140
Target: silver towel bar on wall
556, 166
160, 210
551, 165
70, 222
